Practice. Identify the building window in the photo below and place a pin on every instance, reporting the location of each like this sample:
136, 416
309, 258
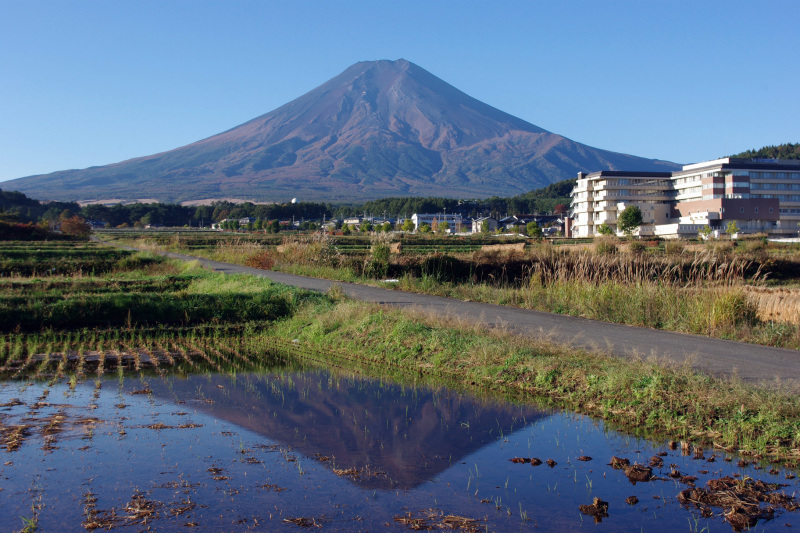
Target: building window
770, 210
756, 210
741, 209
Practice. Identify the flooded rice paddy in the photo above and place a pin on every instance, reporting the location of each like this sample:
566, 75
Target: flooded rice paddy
292, 448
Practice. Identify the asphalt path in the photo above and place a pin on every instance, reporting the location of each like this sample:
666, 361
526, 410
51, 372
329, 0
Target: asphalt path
753, 364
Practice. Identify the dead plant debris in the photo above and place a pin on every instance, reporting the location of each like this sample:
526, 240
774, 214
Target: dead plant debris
355, 473
303, 521
638, 473
432, 519
743, 501
618, 463
598, 509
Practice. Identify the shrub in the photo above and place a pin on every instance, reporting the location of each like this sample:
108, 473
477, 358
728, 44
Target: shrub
674, 247
605, 229
605, 247
443, 267
637, 247
264, 260
376, 264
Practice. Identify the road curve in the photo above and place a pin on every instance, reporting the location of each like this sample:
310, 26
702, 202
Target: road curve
753, 364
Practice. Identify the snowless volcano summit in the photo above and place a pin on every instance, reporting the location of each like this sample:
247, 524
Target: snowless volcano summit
378, 129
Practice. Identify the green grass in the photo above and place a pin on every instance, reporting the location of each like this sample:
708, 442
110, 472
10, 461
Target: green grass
643, 397
139, 293
58, 258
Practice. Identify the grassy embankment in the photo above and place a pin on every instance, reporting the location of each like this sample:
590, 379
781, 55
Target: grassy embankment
740, 293
185, 313
650, 399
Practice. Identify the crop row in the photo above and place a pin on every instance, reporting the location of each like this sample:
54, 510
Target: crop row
93, 353
60, 287
131, 308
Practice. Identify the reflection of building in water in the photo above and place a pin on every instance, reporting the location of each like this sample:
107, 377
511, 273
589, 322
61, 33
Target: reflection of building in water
411, 434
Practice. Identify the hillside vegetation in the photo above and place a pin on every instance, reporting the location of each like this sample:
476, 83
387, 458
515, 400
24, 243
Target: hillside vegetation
781, 151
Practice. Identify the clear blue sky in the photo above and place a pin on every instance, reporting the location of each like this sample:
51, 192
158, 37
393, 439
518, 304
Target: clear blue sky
87, 83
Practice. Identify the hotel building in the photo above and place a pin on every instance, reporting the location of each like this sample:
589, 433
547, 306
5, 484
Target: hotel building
759, 195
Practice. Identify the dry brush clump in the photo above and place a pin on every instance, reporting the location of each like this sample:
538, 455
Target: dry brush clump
234, 249
778, 304
315, 255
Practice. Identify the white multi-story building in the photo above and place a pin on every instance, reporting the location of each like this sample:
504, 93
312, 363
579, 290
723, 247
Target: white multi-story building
597, 198
453, 220
756, 194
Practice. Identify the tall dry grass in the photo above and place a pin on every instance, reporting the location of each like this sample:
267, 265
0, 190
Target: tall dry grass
699, 269
775, 304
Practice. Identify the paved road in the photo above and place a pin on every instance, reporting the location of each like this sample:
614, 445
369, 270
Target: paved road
752, 363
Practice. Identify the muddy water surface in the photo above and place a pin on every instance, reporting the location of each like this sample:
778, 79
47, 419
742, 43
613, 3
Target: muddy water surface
292, 448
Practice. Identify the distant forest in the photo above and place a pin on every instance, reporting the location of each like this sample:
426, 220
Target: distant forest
542, 200
15, 206
782, 151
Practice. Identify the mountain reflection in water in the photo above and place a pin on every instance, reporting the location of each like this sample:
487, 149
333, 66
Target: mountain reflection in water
407, 435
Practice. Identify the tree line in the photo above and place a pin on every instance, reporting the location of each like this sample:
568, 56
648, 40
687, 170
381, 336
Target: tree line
17, 207
781, 151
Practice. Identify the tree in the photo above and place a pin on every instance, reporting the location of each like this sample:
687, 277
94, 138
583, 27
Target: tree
731, 228
629, 219
533, 230
705, 232
424, 228
605, 229
75, 225
366, 227
346, 229
387, 227
485, 227
408, 225
443, 228
560, 209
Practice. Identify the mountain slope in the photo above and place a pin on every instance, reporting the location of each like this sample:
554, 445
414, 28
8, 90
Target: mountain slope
380, 128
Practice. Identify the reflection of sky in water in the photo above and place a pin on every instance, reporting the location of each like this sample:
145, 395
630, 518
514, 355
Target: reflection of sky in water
255, 446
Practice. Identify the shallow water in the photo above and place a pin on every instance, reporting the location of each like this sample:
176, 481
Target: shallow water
290, 448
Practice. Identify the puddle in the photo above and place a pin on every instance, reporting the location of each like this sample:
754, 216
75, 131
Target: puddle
305, 449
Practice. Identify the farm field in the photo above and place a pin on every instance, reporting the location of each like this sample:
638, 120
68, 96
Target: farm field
139, 392
748, 292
